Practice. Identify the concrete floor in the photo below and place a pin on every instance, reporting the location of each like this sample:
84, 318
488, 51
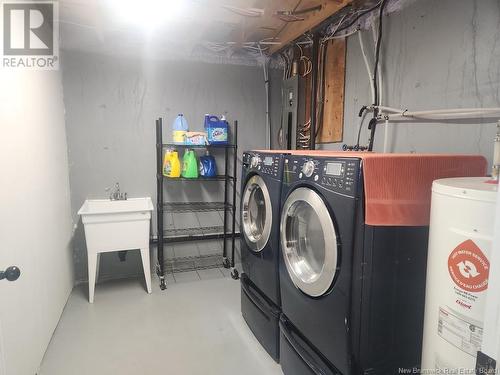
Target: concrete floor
193, 327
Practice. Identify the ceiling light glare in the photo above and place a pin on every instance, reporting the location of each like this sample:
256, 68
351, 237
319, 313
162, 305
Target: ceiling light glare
147, 14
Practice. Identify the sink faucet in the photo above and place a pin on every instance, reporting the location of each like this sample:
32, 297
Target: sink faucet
115, 194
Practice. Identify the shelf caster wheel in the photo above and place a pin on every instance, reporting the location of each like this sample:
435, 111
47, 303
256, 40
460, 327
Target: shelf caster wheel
163, 284
225, 263
234, 274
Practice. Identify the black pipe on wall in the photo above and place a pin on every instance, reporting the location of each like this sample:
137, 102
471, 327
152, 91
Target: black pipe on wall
314, 89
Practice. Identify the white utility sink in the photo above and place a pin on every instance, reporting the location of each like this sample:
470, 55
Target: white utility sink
114, 225
94, 209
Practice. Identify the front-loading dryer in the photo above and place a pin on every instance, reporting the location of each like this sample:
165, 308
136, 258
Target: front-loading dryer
260, 203
352, 290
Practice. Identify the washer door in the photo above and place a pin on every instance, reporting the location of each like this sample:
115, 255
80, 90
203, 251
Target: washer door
256, 213
308, 242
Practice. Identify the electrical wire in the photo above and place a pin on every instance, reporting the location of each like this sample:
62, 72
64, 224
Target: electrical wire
266, 84
361, 13
339, 26
332, 33
343, 36
307, 66
300, 49
295, 15
367, 65
373, 124
306, 61
377, 52
345, 22
379, 68
253, 49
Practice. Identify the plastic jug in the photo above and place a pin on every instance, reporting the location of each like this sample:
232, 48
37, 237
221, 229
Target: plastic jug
179, 129
167, 167
171, 164
217, 130
175, 165
208, 168
189, 165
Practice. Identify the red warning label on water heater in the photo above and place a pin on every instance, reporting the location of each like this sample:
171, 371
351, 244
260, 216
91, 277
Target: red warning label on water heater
469, 267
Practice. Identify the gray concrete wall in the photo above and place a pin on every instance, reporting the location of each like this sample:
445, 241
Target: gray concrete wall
111, 107
436, 54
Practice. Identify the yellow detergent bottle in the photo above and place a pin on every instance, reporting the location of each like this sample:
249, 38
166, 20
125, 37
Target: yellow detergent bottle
171, 164
175, 165
167, 167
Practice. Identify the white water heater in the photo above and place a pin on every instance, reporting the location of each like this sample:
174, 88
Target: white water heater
460, 243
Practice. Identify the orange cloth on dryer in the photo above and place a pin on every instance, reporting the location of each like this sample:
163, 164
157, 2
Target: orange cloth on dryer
398, 187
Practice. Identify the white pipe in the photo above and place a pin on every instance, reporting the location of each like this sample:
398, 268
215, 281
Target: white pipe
491, 335
496, 155
386, 136
457, 110
388, 109
367, 64
266, 84
436, 111
268, 120
442, 115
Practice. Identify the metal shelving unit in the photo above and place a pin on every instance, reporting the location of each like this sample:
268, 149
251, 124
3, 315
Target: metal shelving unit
172, 235
196, 206
216, 178
192, 263
195, 233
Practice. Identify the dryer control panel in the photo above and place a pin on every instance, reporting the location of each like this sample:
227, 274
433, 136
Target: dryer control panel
263, 163
336, 174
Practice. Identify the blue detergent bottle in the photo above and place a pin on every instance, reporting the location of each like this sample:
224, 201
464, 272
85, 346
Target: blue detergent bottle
207, 166
217, 130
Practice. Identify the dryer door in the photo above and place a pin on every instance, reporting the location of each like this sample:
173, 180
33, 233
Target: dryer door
256, 213
308, 242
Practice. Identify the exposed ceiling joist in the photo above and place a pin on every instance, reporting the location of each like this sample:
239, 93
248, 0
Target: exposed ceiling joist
292, 30
266, 26
223, 27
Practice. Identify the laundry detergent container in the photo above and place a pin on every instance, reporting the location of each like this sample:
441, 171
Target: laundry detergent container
217, 130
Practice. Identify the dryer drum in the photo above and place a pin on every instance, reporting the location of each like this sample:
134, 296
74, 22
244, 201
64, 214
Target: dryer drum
256, 213
308, 242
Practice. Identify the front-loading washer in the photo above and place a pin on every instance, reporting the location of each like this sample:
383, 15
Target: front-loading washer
352, 293
260, 203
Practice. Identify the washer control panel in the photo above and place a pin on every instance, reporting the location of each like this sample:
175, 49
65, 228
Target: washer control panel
263, 163
336, 174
